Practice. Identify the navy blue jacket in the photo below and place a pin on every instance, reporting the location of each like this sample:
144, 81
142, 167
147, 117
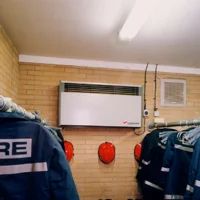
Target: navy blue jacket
176, 163
193, 187
150, 163
32, 163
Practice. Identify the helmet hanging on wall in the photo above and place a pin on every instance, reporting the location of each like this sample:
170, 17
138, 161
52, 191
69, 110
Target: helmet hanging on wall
69, 150
137, 151
106, 152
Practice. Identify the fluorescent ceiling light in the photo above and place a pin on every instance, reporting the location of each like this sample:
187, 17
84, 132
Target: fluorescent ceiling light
142, 10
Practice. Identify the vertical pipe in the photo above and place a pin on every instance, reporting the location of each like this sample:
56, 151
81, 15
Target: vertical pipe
145, 82
155, 90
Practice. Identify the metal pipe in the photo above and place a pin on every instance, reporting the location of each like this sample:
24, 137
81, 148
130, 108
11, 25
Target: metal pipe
155, 88
194, 122
55, 128
145, 82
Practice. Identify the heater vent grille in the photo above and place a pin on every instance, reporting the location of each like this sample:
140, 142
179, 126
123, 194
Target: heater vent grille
101, 89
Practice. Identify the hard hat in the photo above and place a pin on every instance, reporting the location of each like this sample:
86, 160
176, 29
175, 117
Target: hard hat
69, 150
137, 151
106, 152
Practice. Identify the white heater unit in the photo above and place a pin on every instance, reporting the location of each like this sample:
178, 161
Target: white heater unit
95, 104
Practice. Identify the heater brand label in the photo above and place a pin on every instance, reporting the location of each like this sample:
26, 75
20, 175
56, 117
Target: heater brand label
130, 123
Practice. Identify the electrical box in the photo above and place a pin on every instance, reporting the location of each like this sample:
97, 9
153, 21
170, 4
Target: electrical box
159, 120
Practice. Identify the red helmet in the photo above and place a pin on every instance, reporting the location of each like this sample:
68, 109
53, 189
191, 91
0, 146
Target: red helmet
106, 152
137, 151
69, 150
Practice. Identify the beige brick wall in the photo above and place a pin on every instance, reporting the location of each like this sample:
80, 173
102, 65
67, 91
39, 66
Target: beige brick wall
39, 90
9, 67
96, 180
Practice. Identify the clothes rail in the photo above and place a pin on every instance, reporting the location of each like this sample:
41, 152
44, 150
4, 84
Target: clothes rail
55, 128
7, 105
194, 122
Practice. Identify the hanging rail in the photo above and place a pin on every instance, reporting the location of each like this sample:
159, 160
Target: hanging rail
194, 122
7, 105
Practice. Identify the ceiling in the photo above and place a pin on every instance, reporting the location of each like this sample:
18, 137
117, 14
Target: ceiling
88, 29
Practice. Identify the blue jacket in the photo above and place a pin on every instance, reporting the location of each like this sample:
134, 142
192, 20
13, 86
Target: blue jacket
32, 163
193, 187
150, 163
192, 135
176, 162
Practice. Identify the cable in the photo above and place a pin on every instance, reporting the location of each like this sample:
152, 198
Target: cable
138, 134
145, 82
145, 101
155, 91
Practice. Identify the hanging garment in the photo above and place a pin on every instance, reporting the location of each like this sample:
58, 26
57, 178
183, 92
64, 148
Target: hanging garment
176, 162
61, 141
142, 162
167, 159
152, 194
193, 187
192, 135
150, 165
58, 135
32, 162
151, 186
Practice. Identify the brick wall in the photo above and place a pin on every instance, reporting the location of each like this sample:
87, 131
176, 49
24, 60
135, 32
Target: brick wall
39, 90
9, 67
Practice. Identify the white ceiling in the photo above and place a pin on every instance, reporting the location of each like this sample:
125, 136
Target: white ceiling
87, 29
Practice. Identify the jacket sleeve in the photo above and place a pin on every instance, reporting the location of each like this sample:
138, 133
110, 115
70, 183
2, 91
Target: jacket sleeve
196, 191
168, 159
61, 181
144, 160
193, 186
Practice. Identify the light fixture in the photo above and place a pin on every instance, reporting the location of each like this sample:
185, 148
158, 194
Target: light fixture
142, 10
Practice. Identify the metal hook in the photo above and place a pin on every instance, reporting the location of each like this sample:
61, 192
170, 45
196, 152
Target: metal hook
185, 123
194, 122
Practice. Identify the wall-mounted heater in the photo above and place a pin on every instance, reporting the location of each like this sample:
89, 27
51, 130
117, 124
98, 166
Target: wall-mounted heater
95, 104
